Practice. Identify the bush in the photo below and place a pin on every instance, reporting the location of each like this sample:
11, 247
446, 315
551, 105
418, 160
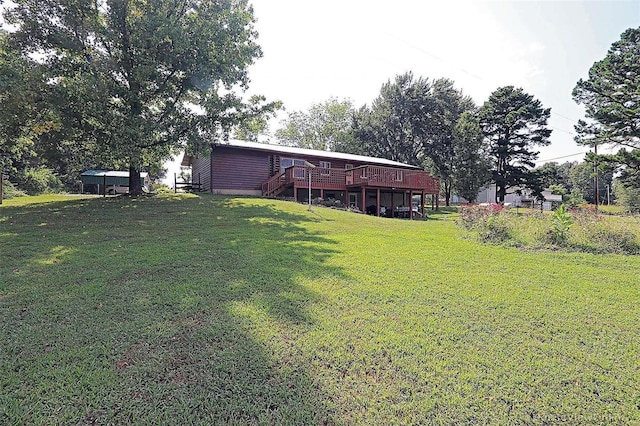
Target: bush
628, 198
160, 188
560, 224
486, 222
39, 181
9, 191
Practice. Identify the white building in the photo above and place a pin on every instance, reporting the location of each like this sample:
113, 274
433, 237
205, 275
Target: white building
488, 195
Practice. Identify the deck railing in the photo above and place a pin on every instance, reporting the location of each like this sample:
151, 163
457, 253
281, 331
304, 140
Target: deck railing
389, 177
320, 177
273, 184
342, 179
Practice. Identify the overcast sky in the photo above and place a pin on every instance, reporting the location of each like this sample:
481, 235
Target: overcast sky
314, 50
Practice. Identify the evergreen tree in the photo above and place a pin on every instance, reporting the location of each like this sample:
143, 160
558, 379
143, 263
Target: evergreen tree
513, 123
611, 97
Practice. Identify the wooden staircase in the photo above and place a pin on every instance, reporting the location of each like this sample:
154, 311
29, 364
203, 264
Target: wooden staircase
274, 186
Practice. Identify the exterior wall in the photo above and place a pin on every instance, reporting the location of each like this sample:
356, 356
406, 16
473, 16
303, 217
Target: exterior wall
488, 195
201, 169
242, 171
235, 170
251, 192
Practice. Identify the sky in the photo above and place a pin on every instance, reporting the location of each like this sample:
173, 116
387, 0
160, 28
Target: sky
315, 50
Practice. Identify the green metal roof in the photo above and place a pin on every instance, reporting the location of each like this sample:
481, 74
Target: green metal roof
108, 177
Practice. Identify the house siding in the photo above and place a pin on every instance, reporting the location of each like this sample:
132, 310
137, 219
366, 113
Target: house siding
238, 170
201, 169
234, 169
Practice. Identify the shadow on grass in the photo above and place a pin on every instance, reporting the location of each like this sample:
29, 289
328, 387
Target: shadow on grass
157, 311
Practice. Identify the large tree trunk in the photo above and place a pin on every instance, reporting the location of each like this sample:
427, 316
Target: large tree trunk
500, 194
135, 183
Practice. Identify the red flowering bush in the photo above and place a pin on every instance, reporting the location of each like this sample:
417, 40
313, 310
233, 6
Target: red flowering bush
486, 220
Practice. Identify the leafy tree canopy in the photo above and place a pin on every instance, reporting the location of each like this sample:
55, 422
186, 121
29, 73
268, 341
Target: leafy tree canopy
445, 148
132, 81
326, 126
471, 165
394, 125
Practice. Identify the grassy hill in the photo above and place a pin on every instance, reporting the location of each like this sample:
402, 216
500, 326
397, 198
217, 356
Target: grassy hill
217, 310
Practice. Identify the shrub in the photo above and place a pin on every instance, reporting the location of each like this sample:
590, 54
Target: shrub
560, 224
575, 198
579, 229
39, 181
10, 191
628, 198
160, 188
486, 221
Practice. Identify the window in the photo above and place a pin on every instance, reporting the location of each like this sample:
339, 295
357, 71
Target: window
288, 162
324, 168
298, 173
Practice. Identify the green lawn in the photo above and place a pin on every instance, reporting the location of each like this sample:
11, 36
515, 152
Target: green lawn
214, 310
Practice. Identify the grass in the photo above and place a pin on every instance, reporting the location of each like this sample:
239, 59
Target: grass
214, 310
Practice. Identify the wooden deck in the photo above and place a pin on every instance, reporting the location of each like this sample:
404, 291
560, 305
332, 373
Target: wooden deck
370, 177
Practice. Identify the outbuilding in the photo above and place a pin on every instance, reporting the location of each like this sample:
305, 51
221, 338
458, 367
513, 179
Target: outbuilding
109, 181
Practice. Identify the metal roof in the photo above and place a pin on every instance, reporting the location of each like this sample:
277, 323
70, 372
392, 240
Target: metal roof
312, 152
110, 173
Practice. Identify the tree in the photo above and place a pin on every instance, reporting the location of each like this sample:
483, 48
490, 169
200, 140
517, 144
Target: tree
438, 135
513, 122
22, 118
628, 197
611, 96
393, 126
553, 173
470, 170
132, 80
326, 126
581, 181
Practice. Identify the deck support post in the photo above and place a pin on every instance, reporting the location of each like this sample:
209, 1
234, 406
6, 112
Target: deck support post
411, 204
424, 213
378, 202
364, 200
393, 208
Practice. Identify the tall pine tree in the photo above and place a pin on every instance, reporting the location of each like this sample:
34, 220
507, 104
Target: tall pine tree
513, 123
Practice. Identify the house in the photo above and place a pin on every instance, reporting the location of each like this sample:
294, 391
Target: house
523, 198
366, 183
109, 181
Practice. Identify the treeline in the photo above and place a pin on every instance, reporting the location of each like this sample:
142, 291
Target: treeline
432, 124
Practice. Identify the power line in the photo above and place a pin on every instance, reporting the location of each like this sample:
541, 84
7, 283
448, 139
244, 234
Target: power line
420, 49
564, 116
559, 158
561, 130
